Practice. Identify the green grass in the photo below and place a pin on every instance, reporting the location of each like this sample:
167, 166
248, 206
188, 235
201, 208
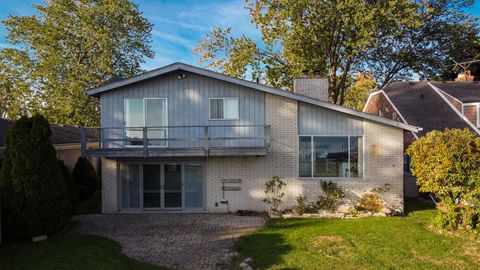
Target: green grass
68, 252
90, 206
366, 243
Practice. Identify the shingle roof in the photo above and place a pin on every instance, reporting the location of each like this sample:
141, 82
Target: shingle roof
219, 76
61, 134
421, 106
466, 92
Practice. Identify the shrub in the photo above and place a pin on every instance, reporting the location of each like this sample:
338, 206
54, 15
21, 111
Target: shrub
274, 193
370, 202
34, 193
447, 164
331, 195
85, 178
72, 193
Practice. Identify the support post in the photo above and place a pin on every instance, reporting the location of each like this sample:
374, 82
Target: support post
145, 142
205, 139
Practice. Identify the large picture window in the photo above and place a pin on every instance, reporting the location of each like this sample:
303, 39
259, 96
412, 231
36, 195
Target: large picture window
224, 109
330, 156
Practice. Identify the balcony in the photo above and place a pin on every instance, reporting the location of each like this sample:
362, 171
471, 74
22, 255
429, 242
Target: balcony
176, 141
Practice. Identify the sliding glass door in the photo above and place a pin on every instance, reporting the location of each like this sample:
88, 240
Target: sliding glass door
149, 112
157, 186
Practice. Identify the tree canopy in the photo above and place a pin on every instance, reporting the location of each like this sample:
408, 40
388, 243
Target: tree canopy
339, 39
65, 49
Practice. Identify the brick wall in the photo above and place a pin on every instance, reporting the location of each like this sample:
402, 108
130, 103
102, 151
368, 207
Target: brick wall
110, 188
383, 164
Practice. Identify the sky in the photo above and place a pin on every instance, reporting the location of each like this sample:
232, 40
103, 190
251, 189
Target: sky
178, 24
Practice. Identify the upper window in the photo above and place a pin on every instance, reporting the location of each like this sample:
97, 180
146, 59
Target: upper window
330, 156
224, 108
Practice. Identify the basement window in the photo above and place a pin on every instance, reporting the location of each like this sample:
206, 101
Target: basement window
224, 109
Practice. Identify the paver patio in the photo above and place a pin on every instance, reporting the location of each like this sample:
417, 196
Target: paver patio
183, 241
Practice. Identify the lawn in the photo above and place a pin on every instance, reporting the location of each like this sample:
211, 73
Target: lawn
366, 243
68, 252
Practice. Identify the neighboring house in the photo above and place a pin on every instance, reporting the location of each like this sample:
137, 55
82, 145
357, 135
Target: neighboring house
185, 138
431, 105
65, 139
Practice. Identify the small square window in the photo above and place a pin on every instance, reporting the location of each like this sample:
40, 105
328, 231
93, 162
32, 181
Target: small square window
224, 108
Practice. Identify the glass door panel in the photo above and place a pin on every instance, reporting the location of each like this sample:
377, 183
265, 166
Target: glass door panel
151, 186
172, 186
156, 116
130, 185
193, 186
133, 120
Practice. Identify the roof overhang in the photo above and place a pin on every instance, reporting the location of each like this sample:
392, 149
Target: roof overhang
219, 76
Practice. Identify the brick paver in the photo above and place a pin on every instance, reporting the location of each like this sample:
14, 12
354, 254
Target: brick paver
181, 241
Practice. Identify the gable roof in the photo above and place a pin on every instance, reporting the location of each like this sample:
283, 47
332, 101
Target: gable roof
420, 104
219, 76
61, 134
465, 92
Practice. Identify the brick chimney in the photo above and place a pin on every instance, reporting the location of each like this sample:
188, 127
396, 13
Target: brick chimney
313, 86
465, 77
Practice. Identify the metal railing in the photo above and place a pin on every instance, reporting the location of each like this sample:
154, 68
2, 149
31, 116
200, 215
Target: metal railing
174, 137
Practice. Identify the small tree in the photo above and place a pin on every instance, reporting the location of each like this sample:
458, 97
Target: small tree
274, 193
34, 193
85, 178
448, 165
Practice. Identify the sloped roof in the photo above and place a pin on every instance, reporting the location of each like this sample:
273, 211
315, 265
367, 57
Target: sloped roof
212, 74
466, 92
421, 105
61, 134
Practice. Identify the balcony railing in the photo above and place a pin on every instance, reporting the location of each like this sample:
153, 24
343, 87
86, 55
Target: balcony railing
221, 140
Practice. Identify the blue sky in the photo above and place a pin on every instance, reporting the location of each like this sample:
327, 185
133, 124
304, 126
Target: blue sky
178, 24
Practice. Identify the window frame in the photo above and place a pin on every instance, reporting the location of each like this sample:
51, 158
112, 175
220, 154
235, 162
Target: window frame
312, 150
144, 102
224, 108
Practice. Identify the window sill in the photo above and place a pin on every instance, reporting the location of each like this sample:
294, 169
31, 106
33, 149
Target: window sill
330, 178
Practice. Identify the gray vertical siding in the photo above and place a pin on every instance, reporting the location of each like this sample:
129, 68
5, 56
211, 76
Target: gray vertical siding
314, 120
188, 105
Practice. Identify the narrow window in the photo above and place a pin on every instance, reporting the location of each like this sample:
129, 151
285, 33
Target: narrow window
380, 112
394, 116
224, 108
305, 156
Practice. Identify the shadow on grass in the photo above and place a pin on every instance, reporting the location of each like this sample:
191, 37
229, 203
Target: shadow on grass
266, 249
417, 204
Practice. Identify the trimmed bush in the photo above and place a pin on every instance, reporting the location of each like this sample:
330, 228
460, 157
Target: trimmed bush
72, 193
85, 178
34, 193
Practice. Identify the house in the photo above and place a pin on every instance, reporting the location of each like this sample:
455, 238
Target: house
188, 139
432, 105
65, 139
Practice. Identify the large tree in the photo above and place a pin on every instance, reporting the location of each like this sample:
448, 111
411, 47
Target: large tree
338, 39
70, 46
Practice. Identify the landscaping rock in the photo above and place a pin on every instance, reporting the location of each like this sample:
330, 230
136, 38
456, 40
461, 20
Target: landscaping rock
243, 265
248, 260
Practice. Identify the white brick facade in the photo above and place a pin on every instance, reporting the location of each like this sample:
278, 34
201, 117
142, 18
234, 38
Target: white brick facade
383, 161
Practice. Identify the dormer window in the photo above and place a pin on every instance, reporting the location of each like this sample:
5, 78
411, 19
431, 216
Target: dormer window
224, 109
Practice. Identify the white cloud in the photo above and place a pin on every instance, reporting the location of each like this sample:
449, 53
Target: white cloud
176, 39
